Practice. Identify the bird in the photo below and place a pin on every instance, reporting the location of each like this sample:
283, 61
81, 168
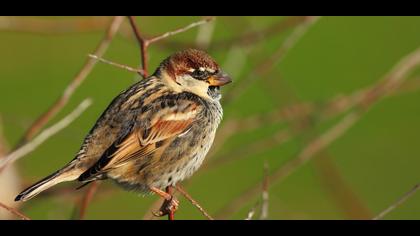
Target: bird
154, 134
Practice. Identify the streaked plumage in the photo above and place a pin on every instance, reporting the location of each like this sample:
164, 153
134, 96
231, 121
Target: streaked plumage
154, 134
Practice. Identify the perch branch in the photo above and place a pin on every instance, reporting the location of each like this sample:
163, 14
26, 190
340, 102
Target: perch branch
194, 202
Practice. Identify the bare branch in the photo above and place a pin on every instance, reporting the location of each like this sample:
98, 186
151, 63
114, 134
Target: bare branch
75, 83
194, 202
177, 31
125, 67
244, 40
398, 202
44, 135
143, 46
14, 211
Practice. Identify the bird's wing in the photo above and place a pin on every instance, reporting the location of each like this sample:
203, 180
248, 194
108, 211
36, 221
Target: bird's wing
143, 141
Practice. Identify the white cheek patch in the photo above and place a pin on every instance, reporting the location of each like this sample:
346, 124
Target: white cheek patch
189, 84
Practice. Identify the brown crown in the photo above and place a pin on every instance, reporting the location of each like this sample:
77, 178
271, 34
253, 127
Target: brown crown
182, 61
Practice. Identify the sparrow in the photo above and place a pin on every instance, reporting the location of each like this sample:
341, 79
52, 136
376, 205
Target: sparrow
154, 134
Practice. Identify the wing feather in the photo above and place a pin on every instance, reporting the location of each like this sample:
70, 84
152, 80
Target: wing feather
141, 142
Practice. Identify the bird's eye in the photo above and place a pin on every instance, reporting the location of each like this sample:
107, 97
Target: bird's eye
199, 74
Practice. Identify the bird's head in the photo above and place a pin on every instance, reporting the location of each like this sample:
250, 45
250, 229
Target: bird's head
193, 71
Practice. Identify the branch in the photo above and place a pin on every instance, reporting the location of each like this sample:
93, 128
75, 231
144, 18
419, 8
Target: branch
398, 202
142, 44
125, 67
44, 135
74, 84
14, 211
194, 202
244, 40
177, 31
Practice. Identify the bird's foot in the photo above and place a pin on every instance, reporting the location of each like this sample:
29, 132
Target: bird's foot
169, 207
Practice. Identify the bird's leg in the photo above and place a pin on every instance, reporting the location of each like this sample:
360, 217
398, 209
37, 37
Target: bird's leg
169, 205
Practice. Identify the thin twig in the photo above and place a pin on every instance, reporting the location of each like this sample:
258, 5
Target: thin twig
125, 67
194, 202
87, 198
44, 135
177, 31
14, 211
243, 40
398, 202
74, 84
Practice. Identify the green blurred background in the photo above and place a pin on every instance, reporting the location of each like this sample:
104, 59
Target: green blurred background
361, 173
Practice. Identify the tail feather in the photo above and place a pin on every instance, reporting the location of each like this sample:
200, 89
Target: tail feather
46, 183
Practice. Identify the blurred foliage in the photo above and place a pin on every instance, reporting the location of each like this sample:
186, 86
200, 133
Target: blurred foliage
378, 158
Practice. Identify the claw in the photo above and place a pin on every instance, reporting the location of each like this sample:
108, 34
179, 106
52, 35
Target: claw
158, 214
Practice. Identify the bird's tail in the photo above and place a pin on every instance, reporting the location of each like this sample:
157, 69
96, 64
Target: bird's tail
63, 175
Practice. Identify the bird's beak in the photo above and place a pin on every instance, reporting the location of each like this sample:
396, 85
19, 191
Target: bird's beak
219, 79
